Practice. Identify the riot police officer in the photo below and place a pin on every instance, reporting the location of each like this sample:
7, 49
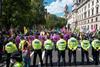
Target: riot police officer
37, 46
72, 45
85, 45
10, 48
61, 47
48, 46
96, 48
17, 60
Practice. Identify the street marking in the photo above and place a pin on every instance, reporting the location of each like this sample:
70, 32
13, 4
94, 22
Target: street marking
91, 58
31, 54
43, 54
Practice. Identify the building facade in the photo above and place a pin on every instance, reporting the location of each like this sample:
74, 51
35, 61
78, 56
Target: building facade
87, 14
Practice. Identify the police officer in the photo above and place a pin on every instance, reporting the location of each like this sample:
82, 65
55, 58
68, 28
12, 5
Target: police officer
37, 46
85, 45
72, 45
61, 46
17, 60
48, 46
10, 48
21, 44
96, 48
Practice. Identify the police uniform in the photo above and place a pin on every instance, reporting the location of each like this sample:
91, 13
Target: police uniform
10, 48
48, 46
61, 46
21, 44
72, 45
37, 45
85, 45
96, 48
17, 64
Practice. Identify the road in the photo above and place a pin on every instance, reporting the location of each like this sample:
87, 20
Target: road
55, 59
78, 53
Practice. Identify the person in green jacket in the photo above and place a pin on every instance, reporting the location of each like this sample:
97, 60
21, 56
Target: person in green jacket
72, 46
48, 46
96, 49
10, 48
37, 47
85, 45
61, 47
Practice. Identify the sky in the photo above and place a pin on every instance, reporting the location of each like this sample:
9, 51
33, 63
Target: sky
57, 7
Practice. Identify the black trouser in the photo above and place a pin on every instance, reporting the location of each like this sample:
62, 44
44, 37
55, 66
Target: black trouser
83, 54
8, 59
70, 54
39, 53
61, 54
0, 56
48, 55
96, 56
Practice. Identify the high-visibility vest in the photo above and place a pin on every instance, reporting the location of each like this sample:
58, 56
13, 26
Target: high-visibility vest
85, 44
36, 44
48, 44
72, 43
61, 44
17, 64
21, 44
10, 47
96, 44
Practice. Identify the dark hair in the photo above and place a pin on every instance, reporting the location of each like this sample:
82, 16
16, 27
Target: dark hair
61, 36
48, 37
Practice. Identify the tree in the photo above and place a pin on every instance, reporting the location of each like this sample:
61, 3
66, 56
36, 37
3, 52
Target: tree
22, 13
52, 21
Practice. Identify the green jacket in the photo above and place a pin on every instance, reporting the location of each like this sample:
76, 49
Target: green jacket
10, 47
48, 44
61, 44
72, 43
85, 44
96, 44
36, 44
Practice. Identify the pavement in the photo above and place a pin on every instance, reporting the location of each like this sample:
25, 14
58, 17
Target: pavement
54, 58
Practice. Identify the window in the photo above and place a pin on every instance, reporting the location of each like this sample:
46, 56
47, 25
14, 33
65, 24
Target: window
97, 1
97, 10
85, 8
89, 5
91, 26
96, 19
92, 3
96, 26
93, 11
88, 21
88, 27
89, 13
91, 20
85, 14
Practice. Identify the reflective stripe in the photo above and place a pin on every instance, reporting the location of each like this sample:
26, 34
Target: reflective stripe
48, 44
61, 44
10, 47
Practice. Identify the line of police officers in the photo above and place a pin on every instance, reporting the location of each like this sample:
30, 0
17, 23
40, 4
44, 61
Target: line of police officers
61, 46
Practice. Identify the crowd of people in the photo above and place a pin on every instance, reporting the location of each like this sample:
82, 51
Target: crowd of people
18, 47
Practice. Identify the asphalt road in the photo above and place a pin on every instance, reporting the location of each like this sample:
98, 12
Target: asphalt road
55, 58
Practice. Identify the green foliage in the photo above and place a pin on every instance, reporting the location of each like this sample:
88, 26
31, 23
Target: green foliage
22, 13
53, 21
